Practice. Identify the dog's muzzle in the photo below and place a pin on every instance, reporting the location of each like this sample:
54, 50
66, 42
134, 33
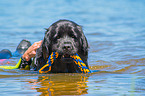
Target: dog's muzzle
67, 52
66, 48
66, 58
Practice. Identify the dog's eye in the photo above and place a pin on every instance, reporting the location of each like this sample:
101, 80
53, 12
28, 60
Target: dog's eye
57, 37
73, 36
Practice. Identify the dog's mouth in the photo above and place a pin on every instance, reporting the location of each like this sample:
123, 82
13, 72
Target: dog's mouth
66, 58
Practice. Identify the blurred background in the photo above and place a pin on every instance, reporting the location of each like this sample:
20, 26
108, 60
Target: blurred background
115, 29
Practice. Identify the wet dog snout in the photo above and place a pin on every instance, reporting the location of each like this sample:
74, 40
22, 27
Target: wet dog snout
67, 46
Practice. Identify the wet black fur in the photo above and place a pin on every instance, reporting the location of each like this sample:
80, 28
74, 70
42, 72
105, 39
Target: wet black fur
55, 37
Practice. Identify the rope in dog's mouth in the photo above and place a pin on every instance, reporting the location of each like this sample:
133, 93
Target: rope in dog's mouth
76, 58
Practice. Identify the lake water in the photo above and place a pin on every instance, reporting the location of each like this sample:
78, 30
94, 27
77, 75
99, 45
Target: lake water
115, 30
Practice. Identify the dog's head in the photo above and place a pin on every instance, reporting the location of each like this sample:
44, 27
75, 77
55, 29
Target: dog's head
66, 38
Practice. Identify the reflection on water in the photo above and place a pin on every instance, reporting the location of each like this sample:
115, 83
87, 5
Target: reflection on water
47, 84
52, 85
100, 83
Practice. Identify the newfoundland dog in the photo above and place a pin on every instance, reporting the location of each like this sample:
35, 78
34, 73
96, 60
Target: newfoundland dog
67, 38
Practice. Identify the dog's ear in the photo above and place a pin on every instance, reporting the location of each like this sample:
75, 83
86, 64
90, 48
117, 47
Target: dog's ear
45, 48
46, 43
43, 51
39, 60
83, 41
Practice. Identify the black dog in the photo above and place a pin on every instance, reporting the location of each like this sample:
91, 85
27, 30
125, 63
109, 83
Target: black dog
66, 38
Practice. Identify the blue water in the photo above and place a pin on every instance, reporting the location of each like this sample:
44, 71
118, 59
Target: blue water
115, 30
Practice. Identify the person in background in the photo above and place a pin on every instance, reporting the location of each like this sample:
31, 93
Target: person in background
28, 54
31, 51
21, 48
24, 50
5, 54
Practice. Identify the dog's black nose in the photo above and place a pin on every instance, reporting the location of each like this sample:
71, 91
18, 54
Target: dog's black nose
67, 46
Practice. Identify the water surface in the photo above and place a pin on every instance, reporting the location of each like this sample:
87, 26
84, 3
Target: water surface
116, 35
